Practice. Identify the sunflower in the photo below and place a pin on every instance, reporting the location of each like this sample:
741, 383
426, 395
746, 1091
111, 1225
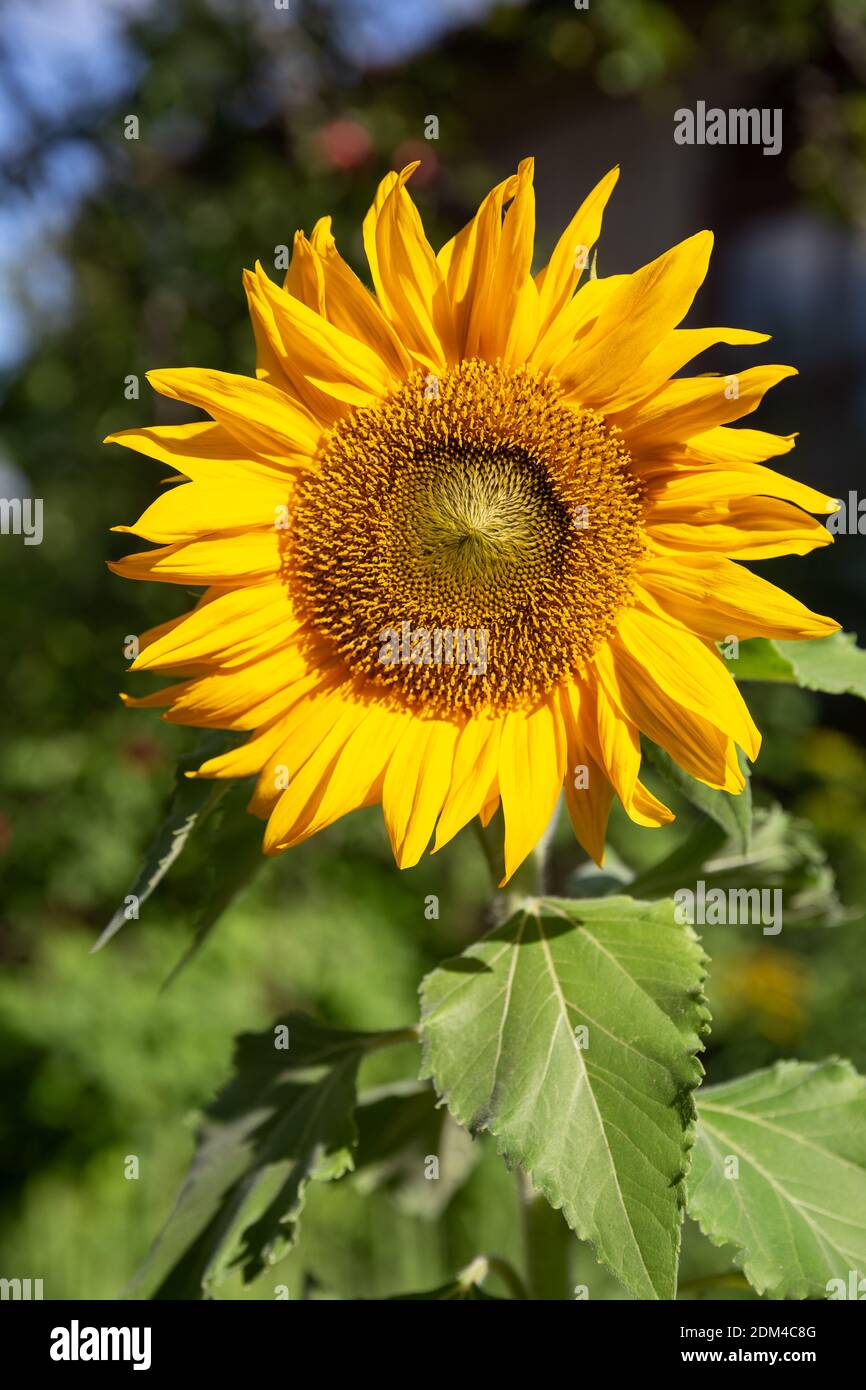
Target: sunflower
463, 539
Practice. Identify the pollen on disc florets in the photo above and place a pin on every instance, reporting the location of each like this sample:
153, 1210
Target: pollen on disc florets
470, 541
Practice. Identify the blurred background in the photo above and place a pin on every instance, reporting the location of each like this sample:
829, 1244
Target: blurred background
118, 255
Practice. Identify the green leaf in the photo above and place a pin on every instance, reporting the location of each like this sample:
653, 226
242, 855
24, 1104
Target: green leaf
231, 851
285, 1118
834, 664
684, 863
400, 1128
732, 813
760, 661
784, 853
503, 1041
797, 1209
192, 801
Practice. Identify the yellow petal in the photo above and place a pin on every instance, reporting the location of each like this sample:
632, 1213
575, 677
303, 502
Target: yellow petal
686, 670
304, 726
467, 262
509, 330
674, 352
531, 770
476, 764
157, 700
196, 509
698, 746
371, 221
260, 417
336, 362
633, 320
203, 452
409, 282
717, 599
588, 805
248, 696
646, 809
734, 447
248, 758
574, 323
152, 635
557, 281
688, 490
350, 306
304, 277
223, 559
619, 755
749, 528
342, 774
277, 364
415, 786
691, 405
219, 630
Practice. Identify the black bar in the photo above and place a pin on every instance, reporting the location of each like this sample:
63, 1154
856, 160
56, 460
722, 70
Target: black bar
245, 1337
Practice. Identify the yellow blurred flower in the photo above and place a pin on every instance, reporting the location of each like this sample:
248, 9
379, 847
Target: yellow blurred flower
769, 986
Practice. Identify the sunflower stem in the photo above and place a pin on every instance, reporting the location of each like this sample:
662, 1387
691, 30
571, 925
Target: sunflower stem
547, 1243
529, 879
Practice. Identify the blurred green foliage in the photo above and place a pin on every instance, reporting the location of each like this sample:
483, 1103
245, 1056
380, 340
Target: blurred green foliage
246, 135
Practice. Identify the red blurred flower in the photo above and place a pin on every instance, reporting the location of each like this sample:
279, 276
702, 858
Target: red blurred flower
410, 150
142, 752
344, 144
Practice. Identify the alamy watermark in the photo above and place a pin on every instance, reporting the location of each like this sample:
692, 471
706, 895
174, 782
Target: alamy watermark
18, 1289
22, 516
850, 517
732, 907
77, 1343
737, 126
854, 1287
439, 646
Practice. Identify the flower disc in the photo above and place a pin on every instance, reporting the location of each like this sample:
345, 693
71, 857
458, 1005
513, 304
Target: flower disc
478, 507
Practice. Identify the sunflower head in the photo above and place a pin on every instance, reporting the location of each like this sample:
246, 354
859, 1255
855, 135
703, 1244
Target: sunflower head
463, 539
